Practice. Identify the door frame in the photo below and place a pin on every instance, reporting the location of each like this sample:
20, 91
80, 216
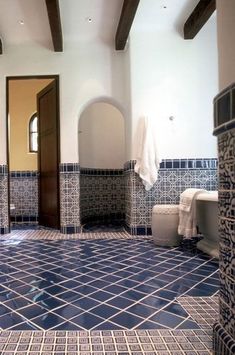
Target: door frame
28, 77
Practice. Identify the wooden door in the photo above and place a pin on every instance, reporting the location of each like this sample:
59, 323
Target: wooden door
48, 156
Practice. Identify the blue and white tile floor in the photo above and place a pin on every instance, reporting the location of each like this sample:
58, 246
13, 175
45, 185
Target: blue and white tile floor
91, 284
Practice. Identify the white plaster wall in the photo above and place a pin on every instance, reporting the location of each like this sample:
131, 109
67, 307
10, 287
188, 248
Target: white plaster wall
226, 32
174, 77
101, 137
159, 75
87, 71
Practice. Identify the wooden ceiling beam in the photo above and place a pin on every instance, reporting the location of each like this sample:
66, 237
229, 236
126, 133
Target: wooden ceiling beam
198, 18
53, 11
129, 9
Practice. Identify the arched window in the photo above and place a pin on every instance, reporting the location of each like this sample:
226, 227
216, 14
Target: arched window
33, 133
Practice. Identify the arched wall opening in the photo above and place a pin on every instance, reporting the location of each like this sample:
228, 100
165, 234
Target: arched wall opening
101, 138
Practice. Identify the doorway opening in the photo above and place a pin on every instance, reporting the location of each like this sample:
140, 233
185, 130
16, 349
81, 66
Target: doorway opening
102, 156
33, 153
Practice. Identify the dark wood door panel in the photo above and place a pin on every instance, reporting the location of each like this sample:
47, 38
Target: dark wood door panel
48, 157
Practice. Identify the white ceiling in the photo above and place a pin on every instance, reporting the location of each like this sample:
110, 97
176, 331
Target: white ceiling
104, 15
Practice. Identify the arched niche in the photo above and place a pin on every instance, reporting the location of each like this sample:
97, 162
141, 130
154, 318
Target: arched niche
101, 136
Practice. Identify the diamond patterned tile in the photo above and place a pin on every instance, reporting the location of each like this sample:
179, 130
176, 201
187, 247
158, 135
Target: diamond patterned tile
93, 283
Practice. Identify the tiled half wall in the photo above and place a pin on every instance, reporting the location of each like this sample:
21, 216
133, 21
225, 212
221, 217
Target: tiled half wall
224, 330
173, 178
70, 198
102, 194
24, 196
4, 223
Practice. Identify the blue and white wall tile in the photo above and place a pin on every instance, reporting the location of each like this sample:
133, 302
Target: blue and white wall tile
173, 178
24, 196
102, 194
4, 222
70, 198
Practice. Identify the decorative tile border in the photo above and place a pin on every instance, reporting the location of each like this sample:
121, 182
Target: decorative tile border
26, 173
103, 172
45, 234
107, 342
205, 163
69, 168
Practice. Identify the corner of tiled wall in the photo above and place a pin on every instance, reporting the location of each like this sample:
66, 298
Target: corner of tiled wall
174, 176
224, 329
70, 198
4, 220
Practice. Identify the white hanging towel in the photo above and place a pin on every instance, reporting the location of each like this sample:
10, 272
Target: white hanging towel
187, 212
148, 161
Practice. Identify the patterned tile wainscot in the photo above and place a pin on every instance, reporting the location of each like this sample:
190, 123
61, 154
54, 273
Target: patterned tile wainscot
102, 194
70, 198
173, 178
4, 223
224, 329
24, 196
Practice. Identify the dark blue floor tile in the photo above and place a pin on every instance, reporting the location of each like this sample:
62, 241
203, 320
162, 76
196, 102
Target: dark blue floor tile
154, 302
68, 311
69, 296
102, 296
4, 310
115, 289
50, 303
120, 302
108, 326
126, 320
168, 295
87, 320
47, 321
32, 311
188, 324
166, 319
17, 303
85, 303
197, 292
99, 284
176, 309
104, 311
25, 326
127, 283
55, 290
10, 319
54, 275
68, 326
177, 287
151, 325
145, 289
141, 310
133, 295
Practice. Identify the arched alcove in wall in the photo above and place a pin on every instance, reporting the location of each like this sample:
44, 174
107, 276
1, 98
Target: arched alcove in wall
101, 137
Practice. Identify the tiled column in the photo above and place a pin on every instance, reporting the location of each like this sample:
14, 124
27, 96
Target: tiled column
224, 330
70, 198
4, 221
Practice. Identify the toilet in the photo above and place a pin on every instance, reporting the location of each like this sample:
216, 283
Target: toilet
165, 220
